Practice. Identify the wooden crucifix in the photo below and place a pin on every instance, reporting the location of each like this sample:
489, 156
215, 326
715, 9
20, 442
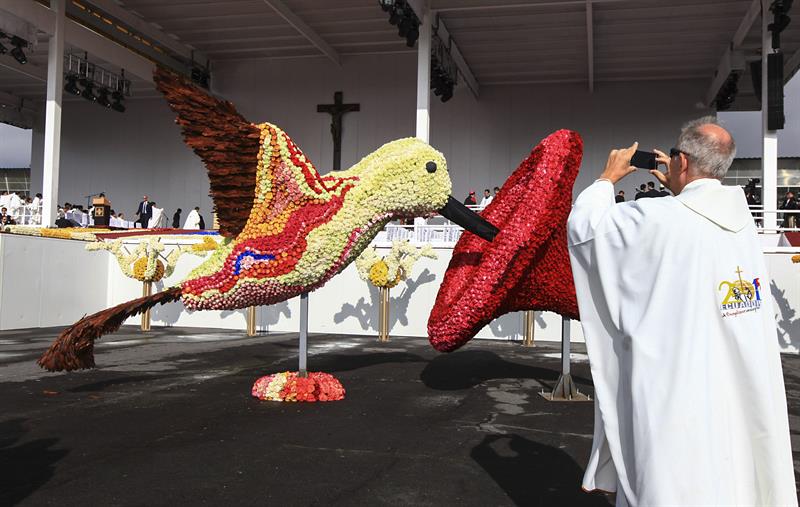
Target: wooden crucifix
337, 110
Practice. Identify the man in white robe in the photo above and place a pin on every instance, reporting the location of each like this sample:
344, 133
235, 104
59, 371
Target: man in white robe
675, 305
159, 219
192, 220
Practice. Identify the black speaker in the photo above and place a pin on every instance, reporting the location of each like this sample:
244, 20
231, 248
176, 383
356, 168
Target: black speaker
775, 117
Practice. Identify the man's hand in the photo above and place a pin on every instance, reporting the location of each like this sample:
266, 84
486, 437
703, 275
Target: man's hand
619, 164
662, 158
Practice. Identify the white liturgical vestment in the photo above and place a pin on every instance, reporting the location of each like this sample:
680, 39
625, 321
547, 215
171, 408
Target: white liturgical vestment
678, 319
192, 220
158, 220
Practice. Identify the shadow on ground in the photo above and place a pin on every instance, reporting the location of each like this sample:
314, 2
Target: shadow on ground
531, 473
468, 368
24, 466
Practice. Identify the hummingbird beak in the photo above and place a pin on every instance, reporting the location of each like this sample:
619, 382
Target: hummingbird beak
468, 219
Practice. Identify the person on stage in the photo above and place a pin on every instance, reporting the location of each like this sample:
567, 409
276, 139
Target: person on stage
159, 218
176, 219
193, 219
145, 212
677, 314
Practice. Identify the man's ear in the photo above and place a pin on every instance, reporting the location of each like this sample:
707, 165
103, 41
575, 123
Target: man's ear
684, 163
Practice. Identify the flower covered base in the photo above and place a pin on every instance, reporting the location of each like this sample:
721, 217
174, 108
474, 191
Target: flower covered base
288, 386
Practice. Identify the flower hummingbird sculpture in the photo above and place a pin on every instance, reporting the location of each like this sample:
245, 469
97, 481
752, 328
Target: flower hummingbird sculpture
287, 229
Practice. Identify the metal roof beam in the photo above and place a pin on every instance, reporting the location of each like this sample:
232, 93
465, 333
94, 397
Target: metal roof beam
306, 31
148, 29
733, 59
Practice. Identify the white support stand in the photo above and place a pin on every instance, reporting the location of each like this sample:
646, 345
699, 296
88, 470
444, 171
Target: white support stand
424, 75
303, 346
565, 389
769, 152
52, 123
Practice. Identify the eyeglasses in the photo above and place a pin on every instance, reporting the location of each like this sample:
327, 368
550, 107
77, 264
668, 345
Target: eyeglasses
674, 152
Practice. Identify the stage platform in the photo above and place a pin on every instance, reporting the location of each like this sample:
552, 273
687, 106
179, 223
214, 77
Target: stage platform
167, 419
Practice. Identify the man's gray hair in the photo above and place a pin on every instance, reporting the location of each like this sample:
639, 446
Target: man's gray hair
708, 155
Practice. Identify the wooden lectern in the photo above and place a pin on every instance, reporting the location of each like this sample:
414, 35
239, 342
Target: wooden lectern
102, 211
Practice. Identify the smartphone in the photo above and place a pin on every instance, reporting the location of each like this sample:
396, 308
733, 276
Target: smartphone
644, 160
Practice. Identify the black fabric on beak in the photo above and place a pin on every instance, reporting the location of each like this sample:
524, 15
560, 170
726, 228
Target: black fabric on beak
468, 219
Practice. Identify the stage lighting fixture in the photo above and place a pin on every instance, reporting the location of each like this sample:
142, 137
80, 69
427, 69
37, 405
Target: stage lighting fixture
781, 20
17, 52
3, 49
88, 90
117, 104
386, 5
102, 97
727, 93
71, 86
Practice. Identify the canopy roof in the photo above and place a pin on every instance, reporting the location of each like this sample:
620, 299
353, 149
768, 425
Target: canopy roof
501, 42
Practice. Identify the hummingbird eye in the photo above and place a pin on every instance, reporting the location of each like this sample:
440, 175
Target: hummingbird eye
430, 167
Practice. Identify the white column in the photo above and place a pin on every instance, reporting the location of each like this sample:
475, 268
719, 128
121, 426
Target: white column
424, 75
52, 123
769, 152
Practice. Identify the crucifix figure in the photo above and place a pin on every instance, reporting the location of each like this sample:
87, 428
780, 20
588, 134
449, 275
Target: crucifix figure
337, 110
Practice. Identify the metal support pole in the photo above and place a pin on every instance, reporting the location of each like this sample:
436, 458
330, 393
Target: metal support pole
769, 151
383, 314
303, 348
529, 326
147, 290
251, 321
52, 122
565, 389
424, 74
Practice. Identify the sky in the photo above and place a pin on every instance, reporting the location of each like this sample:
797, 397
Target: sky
15, 147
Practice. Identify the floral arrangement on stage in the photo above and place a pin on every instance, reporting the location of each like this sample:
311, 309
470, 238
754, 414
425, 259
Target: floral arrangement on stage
75, 233
144, 262
527, 265
395, 267
289, 386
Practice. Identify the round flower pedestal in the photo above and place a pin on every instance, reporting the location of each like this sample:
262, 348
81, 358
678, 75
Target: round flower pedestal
289, 386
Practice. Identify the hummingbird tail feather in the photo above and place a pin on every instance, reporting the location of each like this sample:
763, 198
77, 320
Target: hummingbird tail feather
74, 347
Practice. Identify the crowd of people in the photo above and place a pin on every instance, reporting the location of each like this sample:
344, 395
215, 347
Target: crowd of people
471, 200
16, 209
150, 216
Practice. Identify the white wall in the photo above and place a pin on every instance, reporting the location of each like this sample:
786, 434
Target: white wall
49, 282
141, 151
483, 140
126, 155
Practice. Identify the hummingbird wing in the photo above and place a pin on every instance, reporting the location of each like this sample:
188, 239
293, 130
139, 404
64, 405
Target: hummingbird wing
231, 148
224, 139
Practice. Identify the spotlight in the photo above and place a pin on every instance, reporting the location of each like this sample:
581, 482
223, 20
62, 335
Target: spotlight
117, 105
102, 97
88, 90
780, 9
386, 5
71, 85
17, 52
